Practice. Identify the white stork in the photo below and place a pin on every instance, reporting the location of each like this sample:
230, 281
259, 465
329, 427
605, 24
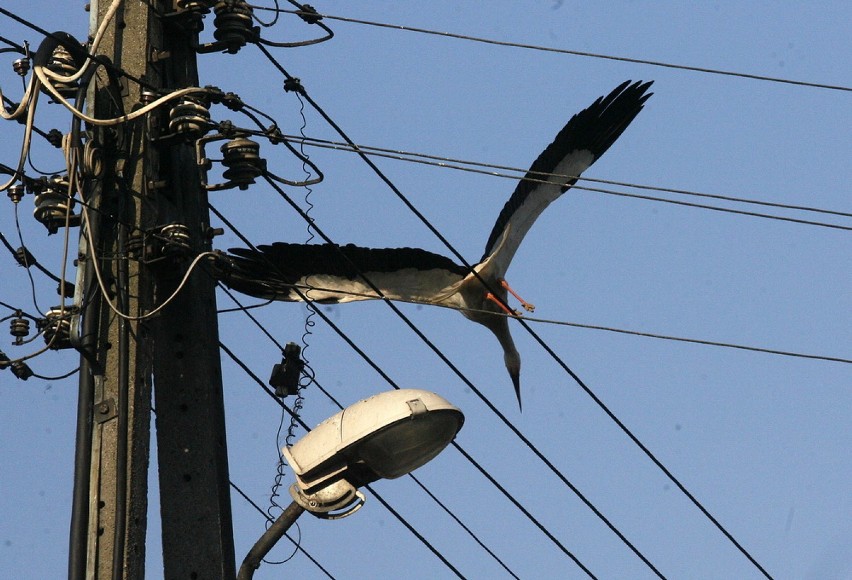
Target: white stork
332, 274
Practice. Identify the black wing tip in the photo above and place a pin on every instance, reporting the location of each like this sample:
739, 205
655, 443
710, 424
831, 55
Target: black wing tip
593, 129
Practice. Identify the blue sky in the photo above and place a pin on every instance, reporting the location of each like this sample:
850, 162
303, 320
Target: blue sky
760, 439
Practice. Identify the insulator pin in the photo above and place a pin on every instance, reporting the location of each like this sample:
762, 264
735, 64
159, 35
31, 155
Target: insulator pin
21, 66
19, 328
62, 63
57, 328
175, 240
233, 24
241, 157
16, 192
54, 206
190, 117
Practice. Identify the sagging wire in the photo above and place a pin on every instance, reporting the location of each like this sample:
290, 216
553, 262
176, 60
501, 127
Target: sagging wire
469, 166
25, 253
275, 16
375, 494
495, 42
306, 378
453, 368
296, 544
56, 378
28, 104
272, 134
308, 14
599, 402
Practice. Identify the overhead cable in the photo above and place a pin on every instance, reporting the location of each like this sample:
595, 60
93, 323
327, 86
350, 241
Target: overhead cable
504, 43
547, 348
396, 514
393, 384
470, 166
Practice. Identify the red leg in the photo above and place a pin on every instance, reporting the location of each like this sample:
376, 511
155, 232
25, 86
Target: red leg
527, 306
492, 298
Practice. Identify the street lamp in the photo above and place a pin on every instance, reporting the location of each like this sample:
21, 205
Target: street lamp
385, 436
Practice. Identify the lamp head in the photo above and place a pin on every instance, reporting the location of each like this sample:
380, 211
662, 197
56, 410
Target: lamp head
385, 436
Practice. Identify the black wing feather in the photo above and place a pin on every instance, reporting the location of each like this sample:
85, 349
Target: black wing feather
593, 129
275, 268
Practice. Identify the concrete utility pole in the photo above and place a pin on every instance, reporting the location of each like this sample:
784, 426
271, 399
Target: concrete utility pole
148, 183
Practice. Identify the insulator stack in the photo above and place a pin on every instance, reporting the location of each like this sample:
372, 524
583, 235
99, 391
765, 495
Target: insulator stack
54, 206
19, 328
54, 137
57, 328
190, 118
18, 368
201, 6
233, 24
135, 245
62, 63
21, 66
176, 240
16, 192
241, 157
24, 257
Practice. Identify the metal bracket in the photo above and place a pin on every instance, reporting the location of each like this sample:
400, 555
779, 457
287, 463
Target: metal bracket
105, 410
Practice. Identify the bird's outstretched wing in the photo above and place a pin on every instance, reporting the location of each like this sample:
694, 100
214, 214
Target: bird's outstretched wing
328, 273
580, 143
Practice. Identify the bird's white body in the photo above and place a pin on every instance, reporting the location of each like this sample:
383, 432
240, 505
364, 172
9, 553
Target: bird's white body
327, 273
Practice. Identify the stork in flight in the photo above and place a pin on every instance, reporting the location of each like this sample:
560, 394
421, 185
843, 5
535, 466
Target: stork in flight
332, 274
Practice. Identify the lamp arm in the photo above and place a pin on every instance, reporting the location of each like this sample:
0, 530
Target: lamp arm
268, 540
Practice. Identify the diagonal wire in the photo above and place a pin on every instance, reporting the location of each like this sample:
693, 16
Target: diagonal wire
461, 376
396, 514
422, 486
393, 384
298, 545
550, 351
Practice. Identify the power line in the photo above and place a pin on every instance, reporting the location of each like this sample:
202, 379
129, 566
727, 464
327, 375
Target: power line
458, 373
393, 384
504, 43
693, 340
298, 545
459, 165
462, 525
417, 534
395, 513
417, 481
544, 345
700, 341
520, 507
58, 377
